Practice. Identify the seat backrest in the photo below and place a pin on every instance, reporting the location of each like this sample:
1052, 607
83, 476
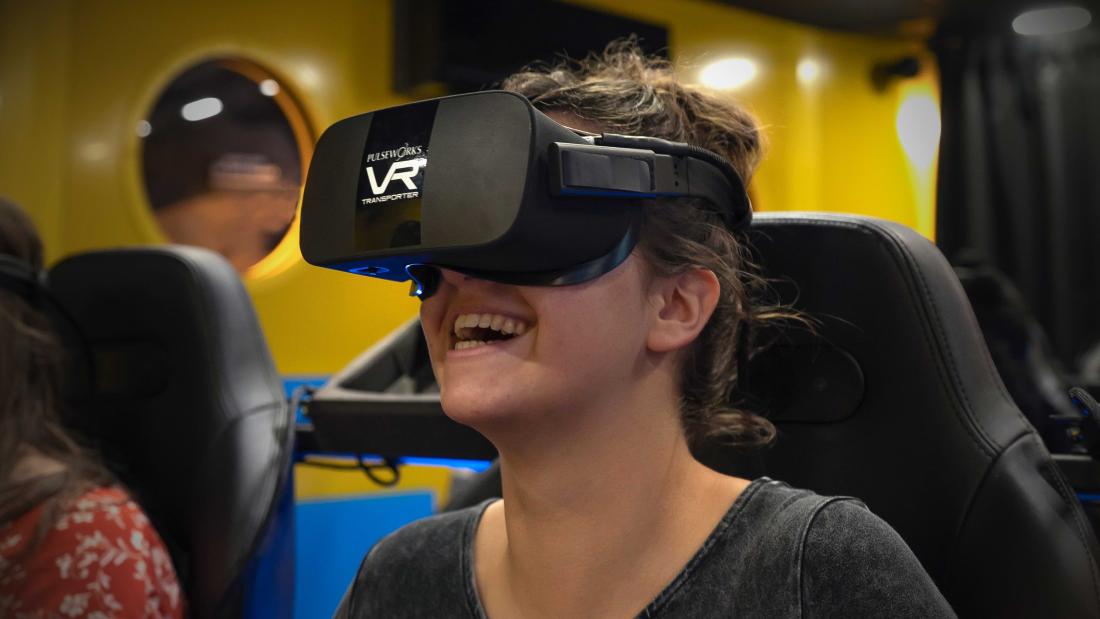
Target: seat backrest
182, 396
896, 401
1022, 354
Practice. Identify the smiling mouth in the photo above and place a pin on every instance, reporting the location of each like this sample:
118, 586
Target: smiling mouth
473, 330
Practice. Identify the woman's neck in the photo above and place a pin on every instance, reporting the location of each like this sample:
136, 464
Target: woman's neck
601, 510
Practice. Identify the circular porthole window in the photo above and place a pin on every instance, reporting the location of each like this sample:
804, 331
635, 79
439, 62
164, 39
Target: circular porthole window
222, 152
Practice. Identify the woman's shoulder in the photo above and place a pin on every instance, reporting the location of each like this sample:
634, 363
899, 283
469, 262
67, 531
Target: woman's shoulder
97, 552
814, 555
774, 511
819, 529
848, 561
855, 564
439, 534
422, 565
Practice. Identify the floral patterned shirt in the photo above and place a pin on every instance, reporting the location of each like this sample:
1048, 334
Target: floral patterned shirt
101, 559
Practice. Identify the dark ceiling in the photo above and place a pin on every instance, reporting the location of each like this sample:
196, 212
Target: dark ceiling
897, 16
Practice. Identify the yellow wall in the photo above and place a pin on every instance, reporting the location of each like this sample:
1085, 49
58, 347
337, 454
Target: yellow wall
75, 78
34, 59
325, 483
71, 101
833, 145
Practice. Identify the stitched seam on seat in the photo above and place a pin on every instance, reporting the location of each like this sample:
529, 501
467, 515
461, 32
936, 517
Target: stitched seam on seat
941, 342
285, 466
1081, 530
990, 368
191, 267
239, 563
950, 571
800, 559
973, 428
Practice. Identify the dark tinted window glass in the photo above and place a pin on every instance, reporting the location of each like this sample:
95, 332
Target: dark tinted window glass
221, 160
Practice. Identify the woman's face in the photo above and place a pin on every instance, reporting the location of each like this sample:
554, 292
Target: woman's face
566, 347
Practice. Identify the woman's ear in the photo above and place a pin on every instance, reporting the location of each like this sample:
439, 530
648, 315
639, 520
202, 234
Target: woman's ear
684, 304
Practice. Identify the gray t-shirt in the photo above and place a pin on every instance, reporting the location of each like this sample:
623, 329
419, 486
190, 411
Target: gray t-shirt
778, 552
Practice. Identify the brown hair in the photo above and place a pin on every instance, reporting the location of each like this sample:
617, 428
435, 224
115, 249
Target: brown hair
624, 91
30, 379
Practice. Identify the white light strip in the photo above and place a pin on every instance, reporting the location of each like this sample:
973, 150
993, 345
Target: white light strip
918, 126
1052, 20
202, 109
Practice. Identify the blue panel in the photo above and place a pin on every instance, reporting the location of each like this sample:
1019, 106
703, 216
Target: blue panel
333, 536
473, 465
269, 590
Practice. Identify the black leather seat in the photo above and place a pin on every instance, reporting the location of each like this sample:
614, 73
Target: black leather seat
1023, 356
933, 444
895, 400
175, 382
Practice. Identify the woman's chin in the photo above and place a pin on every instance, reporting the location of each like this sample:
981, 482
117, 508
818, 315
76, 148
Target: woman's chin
481, 409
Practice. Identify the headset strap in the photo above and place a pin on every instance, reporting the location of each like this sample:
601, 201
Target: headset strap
642, 167
20, 278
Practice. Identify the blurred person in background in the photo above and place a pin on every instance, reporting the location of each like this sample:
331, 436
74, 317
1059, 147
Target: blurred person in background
72, 542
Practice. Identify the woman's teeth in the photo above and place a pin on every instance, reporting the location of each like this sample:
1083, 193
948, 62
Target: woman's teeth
469, 344
480, 329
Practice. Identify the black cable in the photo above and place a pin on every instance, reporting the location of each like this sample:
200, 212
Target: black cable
299, 399
387, 463
360, 464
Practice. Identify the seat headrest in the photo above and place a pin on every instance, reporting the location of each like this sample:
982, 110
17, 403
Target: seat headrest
886, 302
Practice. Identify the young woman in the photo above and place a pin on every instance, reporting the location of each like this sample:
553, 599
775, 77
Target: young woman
72, 544
595, 406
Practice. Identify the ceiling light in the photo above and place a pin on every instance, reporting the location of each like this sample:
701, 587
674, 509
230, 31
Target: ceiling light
808, 71
202, 109
918, 126
1051, 20
95, 151
269, 88
729, 73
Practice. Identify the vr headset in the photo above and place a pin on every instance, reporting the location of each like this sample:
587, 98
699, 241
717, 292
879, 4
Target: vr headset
487, 185
20, 278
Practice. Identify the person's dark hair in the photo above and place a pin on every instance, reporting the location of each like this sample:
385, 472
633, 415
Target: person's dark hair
30, 379
624, 91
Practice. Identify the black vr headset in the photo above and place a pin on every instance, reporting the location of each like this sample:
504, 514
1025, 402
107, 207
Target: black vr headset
487, 185
19, 277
